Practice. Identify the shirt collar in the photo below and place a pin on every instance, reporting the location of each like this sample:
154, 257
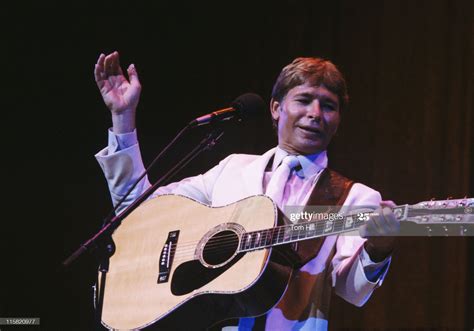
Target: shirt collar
310, 164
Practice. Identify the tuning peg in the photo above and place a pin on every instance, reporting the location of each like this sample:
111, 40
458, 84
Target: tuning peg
445, 228
430, 231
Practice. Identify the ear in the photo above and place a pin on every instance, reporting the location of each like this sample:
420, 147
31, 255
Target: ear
275, 109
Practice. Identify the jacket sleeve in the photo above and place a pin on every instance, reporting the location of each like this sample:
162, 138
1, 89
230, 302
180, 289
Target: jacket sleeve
349, 273
123, 166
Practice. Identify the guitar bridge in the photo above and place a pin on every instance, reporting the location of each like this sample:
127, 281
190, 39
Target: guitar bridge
166, 256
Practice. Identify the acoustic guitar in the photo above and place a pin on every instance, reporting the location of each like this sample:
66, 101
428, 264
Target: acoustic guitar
180, 264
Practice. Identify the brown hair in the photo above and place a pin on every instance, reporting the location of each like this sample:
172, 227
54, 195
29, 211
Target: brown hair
316, 72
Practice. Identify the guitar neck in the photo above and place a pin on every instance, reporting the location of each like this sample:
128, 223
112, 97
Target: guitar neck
458, 211
290, 233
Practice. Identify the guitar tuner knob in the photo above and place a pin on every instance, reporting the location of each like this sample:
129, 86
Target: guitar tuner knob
445, 228
430, 232
431, 203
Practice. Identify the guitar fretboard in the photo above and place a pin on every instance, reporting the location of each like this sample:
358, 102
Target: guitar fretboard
289, 233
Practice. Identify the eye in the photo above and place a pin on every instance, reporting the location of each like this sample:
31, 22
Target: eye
303, 101
328, 106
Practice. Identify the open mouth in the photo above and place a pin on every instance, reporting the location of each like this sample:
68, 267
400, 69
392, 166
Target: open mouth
311, 130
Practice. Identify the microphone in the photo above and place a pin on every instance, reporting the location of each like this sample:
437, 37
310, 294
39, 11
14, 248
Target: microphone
244, 106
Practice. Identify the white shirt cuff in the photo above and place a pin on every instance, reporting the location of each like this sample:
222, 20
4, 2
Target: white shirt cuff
121, 141
373, 270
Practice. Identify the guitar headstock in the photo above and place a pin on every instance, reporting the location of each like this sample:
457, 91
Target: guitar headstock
445, 204
442, 213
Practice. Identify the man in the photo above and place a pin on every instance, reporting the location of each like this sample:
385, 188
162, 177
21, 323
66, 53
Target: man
307, 100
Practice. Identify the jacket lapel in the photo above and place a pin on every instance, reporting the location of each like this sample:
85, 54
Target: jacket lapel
252, 173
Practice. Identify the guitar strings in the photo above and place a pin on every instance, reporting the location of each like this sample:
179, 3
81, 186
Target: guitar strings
232, 240
187, 253
266, 234
253, 244
269, 233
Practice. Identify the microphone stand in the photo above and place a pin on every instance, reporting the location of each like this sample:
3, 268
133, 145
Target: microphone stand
103, 238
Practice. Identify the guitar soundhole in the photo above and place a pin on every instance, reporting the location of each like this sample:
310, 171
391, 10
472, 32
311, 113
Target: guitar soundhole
220, 247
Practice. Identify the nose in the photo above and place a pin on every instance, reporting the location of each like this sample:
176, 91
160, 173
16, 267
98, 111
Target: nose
314, 110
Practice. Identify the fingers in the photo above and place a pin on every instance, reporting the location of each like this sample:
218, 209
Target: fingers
109, 76
382, 223
363, 232
111, 64
386, 222
388, 203
99, 72
389, 221
367, 230
133, 76
394, 223
376, 222
116, 64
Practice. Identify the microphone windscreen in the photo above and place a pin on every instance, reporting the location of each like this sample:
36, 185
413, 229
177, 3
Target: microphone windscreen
248, 104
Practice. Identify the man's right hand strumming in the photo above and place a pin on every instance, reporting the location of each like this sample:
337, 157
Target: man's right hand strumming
121, 95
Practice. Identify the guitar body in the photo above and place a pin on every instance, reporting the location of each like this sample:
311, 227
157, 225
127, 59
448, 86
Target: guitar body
181, 265
169, 275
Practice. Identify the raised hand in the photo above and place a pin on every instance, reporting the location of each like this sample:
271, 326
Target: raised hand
121, 95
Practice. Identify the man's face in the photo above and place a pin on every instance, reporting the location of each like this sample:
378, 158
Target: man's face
308, 117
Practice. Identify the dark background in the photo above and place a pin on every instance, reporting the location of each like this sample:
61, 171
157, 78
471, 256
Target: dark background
408, 132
